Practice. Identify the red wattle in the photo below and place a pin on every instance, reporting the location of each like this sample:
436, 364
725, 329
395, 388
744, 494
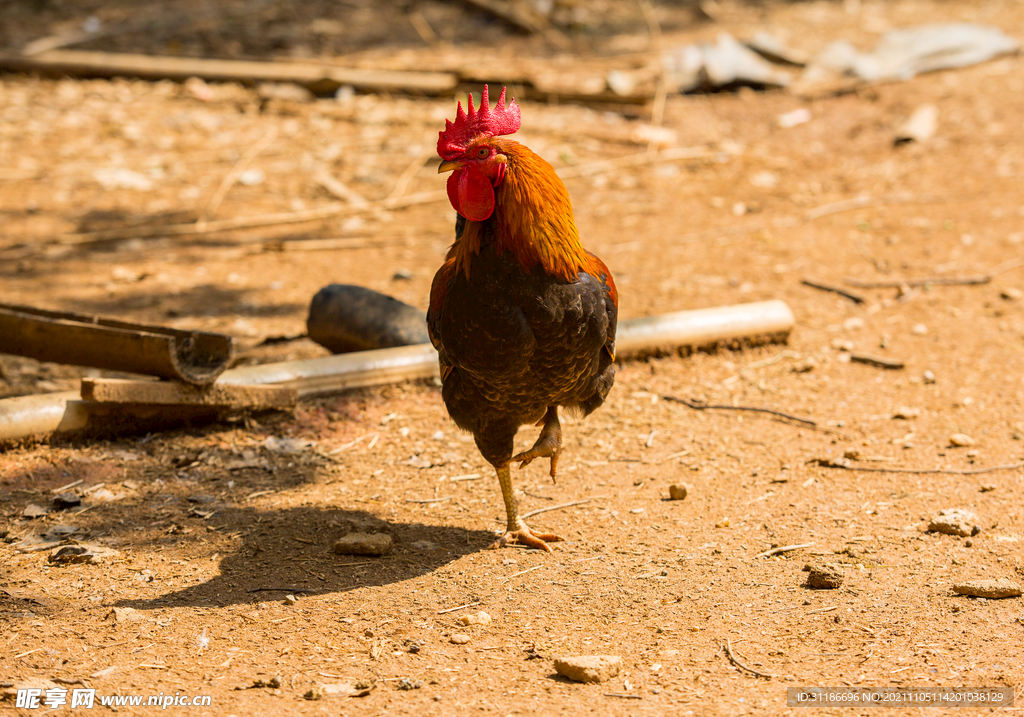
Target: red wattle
471, 193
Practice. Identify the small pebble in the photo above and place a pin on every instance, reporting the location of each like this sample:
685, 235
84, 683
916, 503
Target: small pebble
954, 521
988, 488
589, 668
678, 491
823, 576
722, 523
313, 693
1011, 294
63, 501
919, 329
906, 413
406, 684
992, 589
458, 639
968, 543
961, 440
928, 377
290, 600
363, 544
34, 511
480, 618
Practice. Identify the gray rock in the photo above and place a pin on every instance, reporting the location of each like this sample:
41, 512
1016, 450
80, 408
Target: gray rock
992, 589
363, 544
954, 521
589, 668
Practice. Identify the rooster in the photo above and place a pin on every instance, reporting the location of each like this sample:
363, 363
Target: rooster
522, 316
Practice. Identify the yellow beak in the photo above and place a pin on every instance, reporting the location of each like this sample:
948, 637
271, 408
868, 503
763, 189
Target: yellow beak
448, 167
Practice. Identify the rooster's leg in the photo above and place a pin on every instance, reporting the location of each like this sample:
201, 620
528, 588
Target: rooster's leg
548, 444
517, 531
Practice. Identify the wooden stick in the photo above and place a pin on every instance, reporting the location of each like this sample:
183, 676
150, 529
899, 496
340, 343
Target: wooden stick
814, 283
782, 549
322, 78
113, 390
735, 660
880, 361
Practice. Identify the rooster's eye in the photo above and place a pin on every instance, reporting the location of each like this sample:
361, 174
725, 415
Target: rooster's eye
482, 152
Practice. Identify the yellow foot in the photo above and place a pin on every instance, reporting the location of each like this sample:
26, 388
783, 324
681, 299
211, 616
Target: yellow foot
524, 536
548, 444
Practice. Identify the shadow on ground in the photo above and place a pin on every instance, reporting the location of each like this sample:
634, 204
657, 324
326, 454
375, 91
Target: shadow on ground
291, 551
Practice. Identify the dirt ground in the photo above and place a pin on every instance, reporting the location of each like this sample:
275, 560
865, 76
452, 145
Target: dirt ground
216, 525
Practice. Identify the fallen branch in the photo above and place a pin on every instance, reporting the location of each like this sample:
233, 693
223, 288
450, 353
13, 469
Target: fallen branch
814, 283
428, 500
704, 406
538, 511
844, 464
735, 660
782, 549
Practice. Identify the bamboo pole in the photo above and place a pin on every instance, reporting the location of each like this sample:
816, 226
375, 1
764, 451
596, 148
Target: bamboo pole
55, 413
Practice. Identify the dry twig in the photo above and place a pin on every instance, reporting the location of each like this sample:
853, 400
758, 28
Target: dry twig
814, 283
844, 464
735, 660
460, 607
782, 549
549, 508
880, 361
723, 407
231, 177
912, 283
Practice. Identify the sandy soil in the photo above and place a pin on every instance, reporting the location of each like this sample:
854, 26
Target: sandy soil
215, 526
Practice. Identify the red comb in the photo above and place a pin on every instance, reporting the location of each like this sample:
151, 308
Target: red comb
458, 135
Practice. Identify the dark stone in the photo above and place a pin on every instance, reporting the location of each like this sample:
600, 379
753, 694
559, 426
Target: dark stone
345, 318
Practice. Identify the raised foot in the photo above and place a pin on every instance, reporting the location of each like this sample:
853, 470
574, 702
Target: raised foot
524, 536
548, 444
